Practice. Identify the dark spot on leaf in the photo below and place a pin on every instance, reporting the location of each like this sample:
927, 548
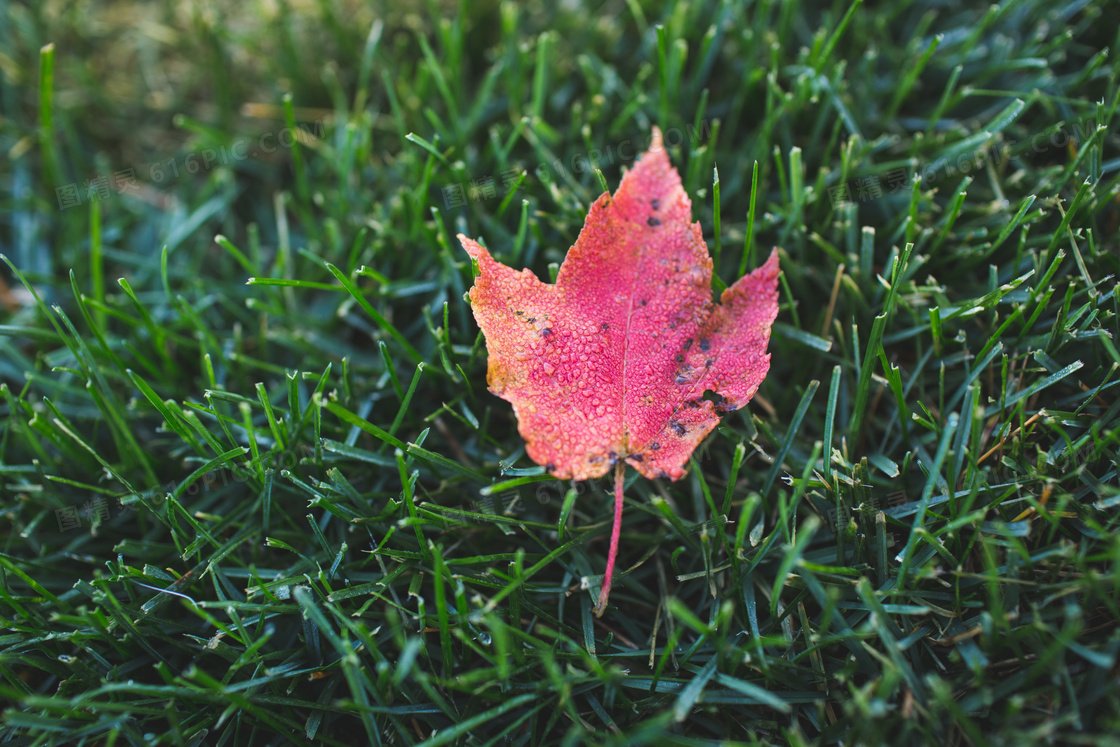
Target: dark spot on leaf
550, 466
687, 344
614, 458
705, 345
637, 457
643, 302
721, 403
655, 446
655, 204
679, 429
531, 319
651, 221
708, 363
604, 326
692, 403
546, 331
681, 379
680, 358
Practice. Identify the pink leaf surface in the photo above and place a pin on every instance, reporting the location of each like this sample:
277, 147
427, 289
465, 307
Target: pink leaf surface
611, 363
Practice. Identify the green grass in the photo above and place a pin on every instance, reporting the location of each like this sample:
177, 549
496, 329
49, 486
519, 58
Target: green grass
255, 491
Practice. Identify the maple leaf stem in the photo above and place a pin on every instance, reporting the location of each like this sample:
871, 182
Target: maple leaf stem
616, 529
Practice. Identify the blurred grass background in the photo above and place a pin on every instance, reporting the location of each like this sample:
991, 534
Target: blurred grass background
255, 490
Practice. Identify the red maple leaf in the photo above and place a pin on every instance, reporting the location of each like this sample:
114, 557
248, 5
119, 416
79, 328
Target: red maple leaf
610, 365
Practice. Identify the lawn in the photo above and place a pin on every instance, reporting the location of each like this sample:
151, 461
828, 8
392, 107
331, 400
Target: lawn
255, 490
